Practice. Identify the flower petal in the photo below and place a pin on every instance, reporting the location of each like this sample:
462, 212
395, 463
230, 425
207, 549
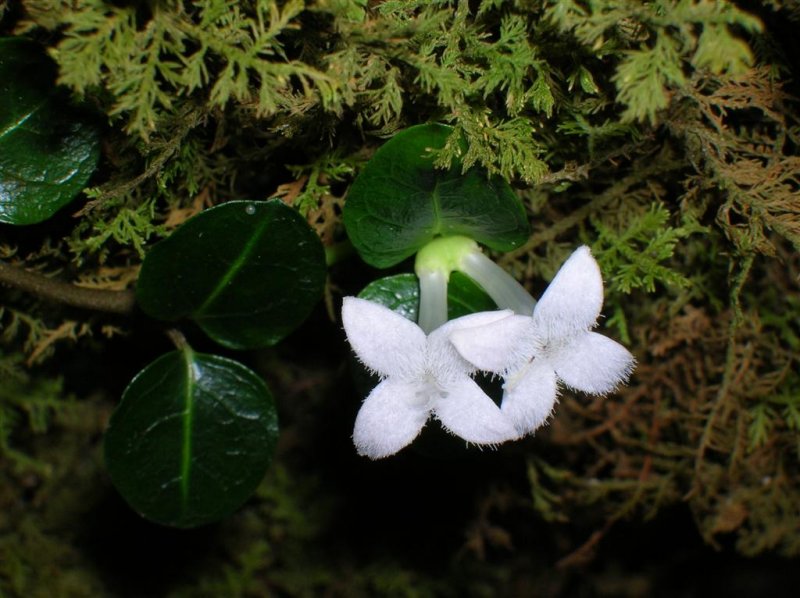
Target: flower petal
468, 412
480, 318
390, 418
443, 359
383, 340
505, 344
592, 363
574, 298
530, 395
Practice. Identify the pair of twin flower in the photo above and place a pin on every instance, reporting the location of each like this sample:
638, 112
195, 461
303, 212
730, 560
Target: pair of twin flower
427, 369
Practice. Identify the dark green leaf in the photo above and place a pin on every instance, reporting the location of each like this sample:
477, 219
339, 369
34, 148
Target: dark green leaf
191, 438
247, 272
400, 202
400, 293
48, 149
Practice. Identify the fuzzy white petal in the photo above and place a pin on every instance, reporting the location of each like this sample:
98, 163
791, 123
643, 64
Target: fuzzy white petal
390, 418
468, 412
574, 298
444, 362
500, 346
481, 318
592, 363
530, 396
383, 340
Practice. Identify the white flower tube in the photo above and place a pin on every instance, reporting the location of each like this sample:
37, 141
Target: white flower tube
436, 260
432, 299
498, 284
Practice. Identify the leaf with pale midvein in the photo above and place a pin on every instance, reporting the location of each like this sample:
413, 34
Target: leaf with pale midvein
191, 438
247, 272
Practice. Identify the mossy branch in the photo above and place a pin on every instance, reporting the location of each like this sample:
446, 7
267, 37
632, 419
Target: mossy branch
118, 302
660, 164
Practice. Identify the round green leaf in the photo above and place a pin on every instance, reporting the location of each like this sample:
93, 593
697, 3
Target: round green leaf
191, 438
247, 272
400, 202
48, 149
400, 293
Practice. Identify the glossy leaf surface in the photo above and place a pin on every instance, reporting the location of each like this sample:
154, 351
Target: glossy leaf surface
48, 149
400, 293
400, 202
191, 438
247, 272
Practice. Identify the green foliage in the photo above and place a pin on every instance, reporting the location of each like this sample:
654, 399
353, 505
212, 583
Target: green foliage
637, 253
251, 56
154, 187
47, 500
48, 149
778, 409
400, 293
26, 403
401, 201
758, 432
644, 77
657, 42
245, 292
191, 438
544, 495
233, 51
317, 180
125, 224
597, 134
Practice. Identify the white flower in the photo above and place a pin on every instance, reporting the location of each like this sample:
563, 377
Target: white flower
533, 352
422, 375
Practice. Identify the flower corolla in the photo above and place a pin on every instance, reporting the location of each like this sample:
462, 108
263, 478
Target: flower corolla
422, 375
532, 353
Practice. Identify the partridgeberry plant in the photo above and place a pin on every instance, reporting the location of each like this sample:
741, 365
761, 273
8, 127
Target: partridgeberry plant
627, 126
426, 368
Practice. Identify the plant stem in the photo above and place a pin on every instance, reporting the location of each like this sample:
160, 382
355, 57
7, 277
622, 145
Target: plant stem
118, 302
177, 338
337, 252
